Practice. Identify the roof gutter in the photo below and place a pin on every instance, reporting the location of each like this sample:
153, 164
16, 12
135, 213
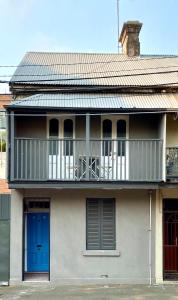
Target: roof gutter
91, 110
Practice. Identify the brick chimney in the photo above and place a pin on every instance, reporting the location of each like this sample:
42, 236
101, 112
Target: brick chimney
129, 38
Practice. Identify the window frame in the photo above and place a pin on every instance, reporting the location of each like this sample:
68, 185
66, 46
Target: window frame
121, 147
68, 147
101, 251
53, 143
114, 120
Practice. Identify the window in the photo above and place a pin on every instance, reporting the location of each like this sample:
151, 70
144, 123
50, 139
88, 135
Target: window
53, 128
107, 135
68, 136
121, 134
100, 229
53, 135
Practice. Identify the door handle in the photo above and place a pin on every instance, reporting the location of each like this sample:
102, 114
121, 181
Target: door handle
39, 246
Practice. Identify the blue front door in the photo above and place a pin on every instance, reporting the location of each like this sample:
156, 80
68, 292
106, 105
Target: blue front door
38, 242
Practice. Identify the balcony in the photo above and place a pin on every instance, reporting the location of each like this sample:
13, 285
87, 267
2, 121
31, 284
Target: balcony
104, 160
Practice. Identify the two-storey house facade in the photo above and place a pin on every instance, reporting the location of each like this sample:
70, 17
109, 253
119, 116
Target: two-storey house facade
93, 166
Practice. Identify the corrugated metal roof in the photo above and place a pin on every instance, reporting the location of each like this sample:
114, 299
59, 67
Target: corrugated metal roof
93, 69
100, 101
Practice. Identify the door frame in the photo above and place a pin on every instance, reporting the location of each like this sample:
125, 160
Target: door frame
114, 119
24, 231
61, 118
161, 195
174, 211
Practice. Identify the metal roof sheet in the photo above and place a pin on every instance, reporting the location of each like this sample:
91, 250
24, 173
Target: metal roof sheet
99, 101
92, 69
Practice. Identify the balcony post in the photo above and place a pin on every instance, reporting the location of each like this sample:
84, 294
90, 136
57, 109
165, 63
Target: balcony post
162, 136
11, 146
87, 144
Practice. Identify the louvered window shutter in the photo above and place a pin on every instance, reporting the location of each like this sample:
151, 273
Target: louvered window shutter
101, 224
108, 224
93, 224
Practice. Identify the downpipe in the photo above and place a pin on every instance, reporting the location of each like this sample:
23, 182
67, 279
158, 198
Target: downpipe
150, 237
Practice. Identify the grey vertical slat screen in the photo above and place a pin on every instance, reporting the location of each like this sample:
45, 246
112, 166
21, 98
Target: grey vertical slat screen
4, 237
4, 207
4, 250
100, 229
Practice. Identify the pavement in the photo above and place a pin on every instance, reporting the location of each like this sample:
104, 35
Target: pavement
98, 292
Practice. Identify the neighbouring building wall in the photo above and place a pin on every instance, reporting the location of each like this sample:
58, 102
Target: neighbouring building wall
69, 260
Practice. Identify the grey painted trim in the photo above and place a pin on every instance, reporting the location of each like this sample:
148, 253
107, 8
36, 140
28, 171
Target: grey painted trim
104, 186
115, 253
170, 185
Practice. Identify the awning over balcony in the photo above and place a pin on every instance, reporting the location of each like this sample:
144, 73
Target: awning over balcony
99, 101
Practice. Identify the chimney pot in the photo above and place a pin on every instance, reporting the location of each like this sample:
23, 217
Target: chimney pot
129, 38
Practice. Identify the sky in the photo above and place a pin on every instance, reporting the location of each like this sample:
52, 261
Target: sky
82, 26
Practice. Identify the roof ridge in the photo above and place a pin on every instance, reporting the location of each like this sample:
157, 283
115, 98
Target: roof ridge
158, 55
100, 94
100, 53
89, 53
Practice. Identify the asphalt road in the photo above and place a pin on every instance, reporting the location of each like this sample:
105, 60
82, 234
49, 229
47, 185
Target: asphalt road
99, 292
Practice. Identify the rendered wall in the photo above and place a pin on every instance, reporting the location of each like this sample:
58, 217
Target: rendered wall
69, 260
